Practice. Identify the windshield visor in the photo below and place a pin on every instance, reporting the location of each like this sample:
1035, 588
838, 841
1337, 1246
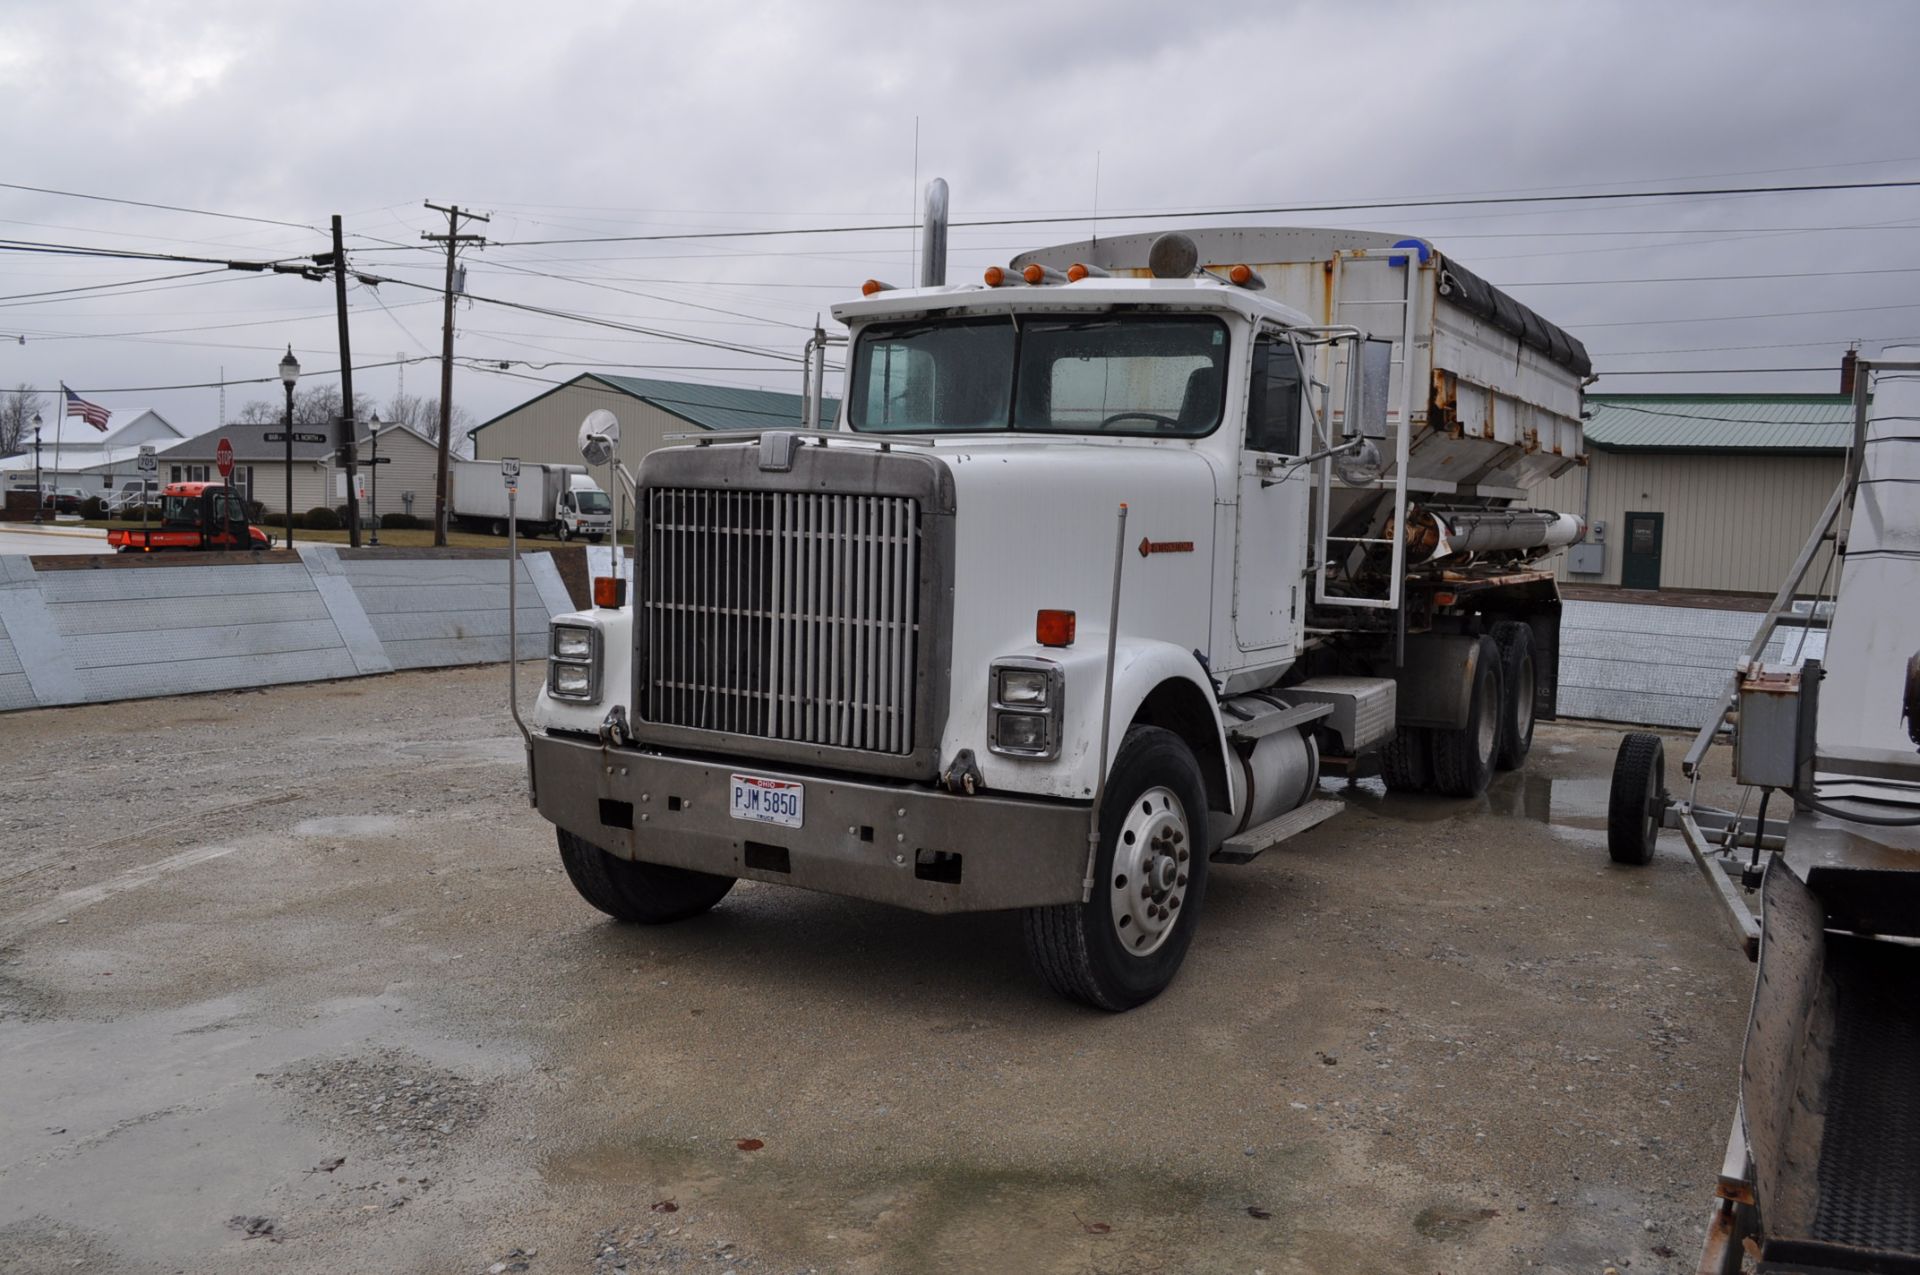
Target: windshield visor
1152, 375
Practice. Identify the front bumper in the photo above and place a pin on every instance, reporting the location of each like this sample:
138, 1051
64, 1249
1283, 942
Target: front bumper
913, 847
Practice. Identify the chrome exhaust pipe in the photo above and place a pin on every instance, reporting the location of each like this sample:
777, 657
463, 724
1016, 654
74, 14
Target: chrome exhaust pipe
933, 236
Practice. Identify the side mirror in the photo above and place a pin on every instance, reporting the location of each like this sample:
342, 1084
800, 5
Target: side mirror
1370, 373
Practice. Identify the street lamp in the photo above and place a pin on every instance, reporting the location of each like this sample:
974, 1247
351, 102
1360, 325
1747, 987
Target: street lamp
289, 373
39, 492
373, 435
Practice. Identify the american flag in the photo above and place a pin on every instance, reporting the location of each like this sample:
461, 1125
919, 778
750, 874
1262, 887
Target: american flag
92, 413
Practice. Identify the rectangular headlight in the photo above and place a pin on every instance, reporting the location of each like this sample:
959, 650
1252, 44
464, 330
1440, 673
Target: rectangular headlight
1024, 686
1022, 733
572, 642
574, 681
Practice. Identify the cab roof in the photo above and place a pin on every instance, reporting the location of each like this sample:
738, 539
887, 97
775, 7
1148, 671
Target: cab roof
1093, 293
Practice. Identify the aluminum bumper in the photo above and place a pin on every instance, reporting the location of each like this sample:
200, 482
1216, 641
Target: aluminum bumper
912, 847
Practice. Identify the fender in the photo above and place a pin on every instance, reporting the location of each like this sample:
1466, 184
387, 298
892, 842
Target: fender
1141, 666
616, 674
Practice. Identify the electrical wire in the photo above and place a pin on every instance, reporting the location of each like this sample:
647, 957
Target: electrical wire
140, 203
1577, 197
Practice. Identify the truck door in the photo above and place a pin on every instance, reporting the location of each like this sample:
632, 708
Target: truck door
1270, 544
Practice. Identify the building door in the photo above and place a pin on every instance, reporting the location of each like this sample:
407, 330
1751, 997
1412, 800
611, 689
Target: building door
1640, 559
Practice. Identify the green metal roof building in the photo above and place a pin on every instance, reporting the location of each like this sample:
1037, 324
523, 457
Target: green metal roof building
1700, 492
547, 426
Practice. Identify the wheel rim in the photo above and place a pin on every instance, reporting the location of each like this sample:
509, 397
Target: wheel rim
1523, 699
1149, 882
1487, 736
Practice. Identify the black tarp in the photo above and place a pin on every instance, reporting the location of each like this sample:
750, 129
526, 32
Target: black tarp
1479, 298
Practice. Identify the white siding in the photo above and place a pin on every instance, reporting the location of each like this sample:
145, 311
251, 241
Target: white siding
1733, 521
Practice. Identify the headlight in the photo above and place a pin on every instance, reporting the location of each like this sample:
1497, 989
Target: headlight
1024, 686
1025, 712
573, 663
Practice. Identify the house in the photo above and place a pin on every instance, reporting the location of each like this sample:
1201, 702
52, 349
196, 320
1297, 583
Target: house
1700, 492
547, 427
74, 454
404, 483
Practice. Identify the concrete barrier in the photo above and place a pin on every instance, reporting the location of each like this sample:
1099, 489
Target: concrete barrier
131, 631
1660, 665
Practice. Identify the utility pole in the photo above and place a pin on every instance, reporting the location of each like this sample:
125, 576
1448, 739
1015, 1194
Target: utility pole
453, 239
338, 260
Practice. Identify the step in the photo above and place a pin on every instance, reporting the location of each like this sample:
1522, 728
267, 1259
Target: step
1247, 846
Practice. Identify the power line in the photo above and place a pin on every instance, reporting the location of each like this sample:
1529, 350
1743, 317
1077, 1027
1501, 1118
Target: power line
1714, 278
1580, 197
1717, 371
214, 385
140, 203
124, 283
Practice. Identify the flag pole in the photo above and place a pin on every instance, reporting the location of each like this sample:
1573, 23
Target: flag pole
58, 421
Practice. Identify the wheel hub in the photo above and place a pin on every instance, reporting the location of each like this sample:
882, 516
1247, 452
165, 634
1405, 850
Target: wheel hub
1150, 862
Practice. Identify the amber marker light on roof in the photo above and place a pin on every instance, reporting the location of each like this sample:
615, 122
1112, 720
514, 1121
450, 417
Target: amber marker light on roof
1081, 270
1054, 628
872, 286
1037, 274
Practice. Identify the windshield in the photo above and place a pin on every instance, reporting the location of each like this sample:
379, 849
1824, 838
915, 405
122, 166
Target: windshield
592, 502
1152, 374
183, 510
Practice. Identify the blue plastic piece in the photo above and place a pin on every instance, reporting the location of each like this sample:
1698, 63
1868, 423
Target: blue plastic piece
1426, 252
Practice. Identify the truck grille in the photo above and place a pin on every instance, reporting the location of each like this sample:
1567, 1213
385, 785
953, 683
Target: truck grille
789, 616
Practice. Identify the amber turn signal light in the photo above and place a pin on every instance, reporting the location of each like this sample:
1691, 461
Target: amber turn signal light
1054, 628
609, 591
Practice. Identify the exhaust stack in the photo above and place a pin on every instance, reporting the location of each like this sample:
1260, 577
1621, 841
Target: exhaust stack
933, 236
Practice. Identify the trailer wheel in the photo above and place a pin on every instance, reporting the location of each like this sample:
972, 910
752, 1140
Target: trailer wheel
1123, 946
1463, 759
498, 526
1636, 803
1515, 640
644, 893
1404, 764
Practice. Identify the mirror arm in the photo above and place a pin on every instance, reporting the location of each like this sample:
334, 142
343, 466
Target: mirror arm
1294, 462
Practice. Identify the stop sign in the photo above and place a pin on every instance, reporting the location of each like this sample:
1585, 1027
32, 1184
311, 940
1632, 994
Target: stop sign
223, 457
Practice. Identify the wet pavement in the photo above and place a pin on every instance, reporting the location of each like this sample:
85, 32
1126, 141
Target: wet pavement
291, 980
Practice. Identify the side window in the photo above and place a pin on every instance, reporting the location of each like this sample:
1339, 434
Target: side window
1273, 399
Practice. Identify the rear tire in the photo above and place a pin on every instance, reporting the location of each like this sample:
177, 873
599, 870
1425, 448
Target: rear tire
643, 893
1636, 802
1463, 759
1404, 764
1515, 640
1123, 946
498, 526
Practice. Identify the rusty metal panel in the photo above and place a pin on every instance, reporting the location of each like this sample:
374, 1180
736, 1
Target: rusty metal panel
1783, 1065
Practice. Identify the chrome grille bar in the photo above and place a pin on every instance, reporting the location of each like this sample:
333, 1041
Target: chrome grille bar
784, 615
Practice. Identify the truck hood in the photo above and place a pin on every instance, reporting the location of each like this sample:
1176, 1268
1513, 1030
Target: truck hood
1037, 525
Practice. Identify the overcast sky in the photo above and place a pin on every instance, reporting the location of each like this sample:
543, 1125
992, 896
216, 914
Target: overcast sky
565, 120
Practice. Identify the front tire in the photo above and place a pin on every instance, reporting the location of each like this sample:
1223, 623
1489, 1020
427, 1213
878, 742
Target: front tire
562, 534
1123, 946
1463, 759
642, 893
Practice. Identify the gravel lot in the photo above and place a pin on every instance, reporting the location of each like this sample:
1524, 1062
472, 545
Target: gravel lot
290, 980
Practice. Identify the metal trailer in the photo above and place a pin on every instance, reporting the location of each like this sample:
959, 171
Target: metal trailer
1822, 1168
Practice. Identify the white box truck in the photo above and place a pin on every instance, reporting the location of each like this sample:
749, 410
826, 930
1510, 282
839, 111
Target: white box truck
1108, 556
558, 500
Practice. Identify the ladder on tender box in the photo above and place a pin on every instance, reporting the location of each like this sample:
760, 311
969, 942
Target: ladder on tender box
1400, 427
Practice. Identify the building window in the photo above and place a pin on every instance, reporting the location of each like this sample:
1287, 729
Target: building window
176, 474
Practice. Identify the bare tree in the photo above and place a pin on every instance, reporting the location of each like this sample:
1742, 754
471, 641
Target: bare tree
422, 414
318, 406
17, 407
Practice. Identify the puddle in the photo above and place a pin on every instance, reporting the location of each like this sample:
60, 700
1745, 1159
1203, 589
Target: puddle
1452, 1222
1559, 802
346, 826
950, 1215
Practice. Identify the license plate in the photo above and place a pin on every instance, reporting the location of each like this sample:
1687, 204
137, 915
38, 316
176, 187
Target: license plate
775, 801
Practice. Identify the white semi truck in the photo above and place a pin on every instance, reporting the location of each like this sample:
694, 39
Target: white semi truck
1107, 557
561, 500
